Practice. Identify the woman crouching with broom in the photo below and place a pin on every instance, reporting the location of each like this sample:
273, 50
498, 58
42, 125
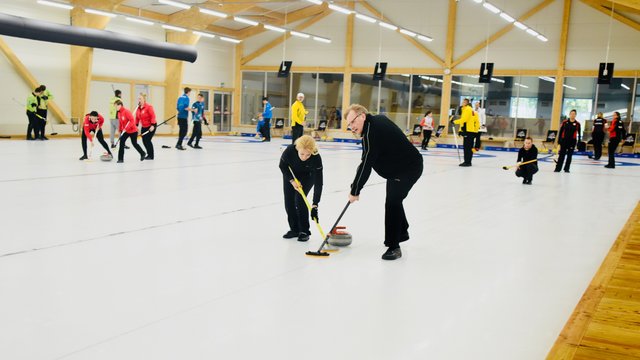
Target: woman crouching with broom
303, 160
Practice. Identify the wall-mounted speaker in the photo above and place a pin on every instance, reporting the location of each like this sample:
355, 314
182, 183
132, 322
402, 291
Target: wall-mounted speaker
285, 67
486, 71
380, 71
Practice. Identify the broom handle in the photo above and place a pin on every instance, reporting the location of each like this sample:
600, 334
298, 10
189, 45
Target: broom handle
326, 239
306, 201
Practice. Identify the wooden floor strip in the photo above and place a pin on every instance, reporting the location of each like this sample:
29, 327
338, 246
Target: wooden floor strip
606, 322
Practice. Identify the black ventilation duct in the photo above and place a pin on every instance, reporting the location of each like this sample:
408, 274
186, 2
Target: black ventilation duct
64, 34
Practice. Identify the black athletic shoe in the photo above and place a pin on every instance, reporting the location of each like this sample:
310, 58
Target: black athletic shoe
148, 158
197, 147
180, 147
84, 157
290, 235
142, 157
303, 237
556, 170
566, 170
524, 181
189, 145
126, 147
528, 182
392, 254
465, 165
30, 138
610, 166
120, 161
113, 146
44, 138
404, 237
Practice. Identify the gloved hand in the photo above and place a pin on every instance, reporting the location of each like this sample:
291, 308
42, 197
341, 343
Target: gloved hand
45, 97
314, 214
205, 121
34, 104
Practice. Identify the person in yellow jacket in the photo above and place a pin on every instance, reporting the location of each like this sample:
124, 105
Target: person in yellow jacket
113, 116
469, 124
45, 96
298, 113
32, 113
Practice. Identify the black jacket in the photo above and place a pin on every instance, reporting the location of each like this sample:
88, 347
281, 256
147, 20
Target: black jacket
310, 169
385, 149
527, 155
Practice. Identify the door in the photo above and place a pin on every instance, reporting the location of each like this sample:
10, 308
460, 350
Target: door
222, 111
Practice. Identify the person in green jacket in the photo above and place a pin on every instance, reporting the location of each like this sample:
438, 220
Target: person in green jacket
43, 106
113, 116
32, 115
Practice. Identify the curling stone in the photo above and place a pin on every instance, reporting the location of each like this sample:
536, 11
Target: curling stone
339, 237
106, 157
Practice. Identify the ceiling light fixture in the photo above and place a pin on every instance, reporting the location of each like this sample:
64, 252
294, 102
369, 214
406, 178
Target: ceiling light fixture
55, 4
245, 21
388, 26
317, 2
139, 21
174, 28
274, 28
532, 32
407, 32
520, 25
366, 18
200, 33
299, 34
339, 9
491, 8
507, 17
175, 4
101, 13
235, 41
425, 38
213, 13
321, 39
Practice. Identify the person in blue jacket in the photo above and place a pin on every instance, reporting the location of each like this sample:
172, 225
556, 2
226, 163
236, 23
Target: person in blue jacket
197, 117
183, 116
266, 116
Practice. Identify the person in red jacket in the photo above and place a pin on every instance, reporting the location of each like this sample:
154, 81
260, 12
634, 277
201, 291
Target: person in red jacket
93, 124
569, 136
128, 129
617, 133
146, 117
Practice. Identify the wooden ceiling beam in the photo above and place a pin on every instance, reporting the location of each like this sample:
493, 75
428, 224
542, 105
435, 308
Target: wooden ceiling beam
607, 11
292, 17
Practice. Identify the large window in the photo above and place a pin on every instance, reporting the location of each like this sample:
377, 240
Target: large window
253, 89
364, 91
330, 99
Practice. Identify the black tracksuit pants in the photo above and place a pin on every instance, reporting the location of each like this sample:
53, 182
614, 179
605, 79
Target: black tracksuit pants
426, 136
42, 122
396, 226
598, 138
297, 212
196, 133
183, 124
613, 146
296, 131
266, 129
100, 138
478, 140
33, 123
146, 140
469, 140
566, 149
134, 141
526, 171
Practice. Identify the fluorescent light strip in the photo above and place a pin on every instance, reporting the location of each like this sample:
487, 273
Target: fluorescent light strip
317, 2
477, 1
542, 38
211, 36
339, 9
507, 17
388, 26
532, 32
213, 13
522, 86
425, 38
174, 28
229, 39
491, 8
101, 13
175, 4
625, 86
55, 4
139, 21
274, 28
546, 78
321, 39
299, 34
569, 87
407, 32
520, 25
245, 21
497, 80
366, 18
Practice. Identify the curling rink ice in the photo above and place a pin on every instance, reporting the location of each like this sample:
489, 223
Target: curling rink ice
182, 257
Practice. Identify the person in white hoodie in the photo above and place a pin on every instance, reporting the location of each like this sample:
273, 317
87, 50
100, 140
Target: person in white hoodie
482, 119
427, 129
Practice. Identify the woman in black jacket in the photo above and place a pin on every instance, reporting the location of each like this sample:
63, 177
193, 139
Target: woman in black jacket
301, 158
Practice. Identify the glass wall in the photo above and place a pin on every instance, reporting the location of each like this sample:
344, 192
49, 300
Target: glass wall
253, 89
364, 91
330, 99
426, 95
279, 93
306, 84
617, 96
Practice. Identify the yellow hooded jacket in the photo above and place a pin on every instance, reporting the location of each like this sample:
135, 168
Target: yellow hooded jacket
469, 120
298, 113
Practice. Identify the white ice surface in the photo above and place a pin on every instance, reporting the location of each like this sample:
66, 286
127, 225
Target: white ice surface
182, 257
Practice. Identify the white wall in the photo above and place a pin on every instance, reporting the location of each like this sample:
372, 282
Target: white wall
50, 64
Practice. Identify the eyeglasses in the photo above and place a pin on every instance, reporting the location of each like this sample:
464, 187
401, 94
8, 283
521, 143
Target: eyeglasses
350, 122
